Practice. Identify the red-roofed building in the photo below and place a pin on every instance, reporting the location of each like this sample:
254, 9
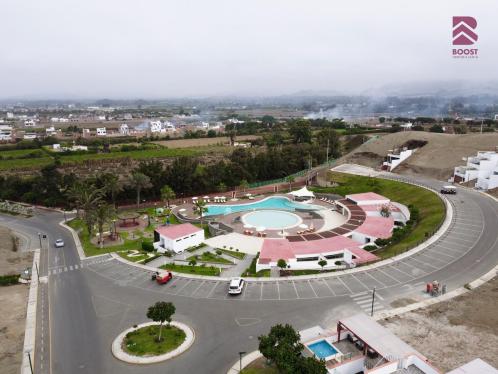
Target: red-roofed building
368, 198
373, 228
177, 238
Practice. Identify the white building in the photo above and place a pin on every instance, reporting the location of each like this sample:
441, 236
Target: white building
30, 123
5, 132
155, 126
396, 158
30, 136
50, 131
407, 126
177, 238
101, 131
10, 115
124, 129
483, 168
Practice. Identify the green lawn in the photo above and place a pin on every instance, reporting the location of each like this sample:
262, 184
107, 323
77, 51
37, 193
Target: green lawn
142, 342
199, 270
209, 257
130, 256
92, 250
25, 163
431, 207
234, 254
251, 270
267, 370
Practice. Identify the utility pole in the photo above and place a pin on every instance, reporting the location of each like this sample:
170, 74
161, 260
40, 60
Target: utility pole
373, 301
482, 123
39, 238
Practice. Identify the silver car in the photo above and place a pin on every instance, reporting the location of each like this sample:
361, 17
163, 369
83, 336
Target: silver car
59, 243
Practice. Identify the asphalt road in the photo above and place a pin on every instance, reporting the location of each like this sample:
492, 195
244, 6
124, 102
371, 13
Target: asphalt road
89, 302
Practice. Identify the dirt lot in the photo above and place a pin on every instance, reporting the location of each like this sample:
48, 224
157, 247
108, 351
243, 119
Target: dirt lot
436, 159
453, 333
13, 301
187, 143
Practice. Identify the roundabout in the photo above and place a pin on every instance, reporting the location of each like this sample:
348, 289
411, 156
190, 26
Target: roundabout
126, 339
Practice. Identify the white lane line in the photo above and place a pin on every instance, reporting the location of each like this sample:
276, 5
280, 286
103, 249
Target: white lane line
316, 295
182, 287
198, 287
212, 289
295, 289
423, 263
70, 267
75, 267
328, 286
261, 291
375, 279
387, 275
278, 289
359, 294
345, 285
363, 284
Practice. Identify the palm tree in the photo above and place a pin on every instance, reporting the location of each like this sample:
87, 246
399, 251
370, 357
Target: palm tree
139, 181
103, 214
200, 208
112, 186
167, 194
290, 179
86, 197
244, 184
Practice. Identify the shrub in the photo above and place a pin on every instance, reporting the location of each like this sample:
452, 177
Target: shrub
147, 246
219, 252
9, 280
370, 248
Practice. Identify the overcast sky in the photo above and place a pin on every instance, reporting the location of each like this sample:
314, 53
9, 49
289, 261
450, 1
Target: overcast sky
161, 48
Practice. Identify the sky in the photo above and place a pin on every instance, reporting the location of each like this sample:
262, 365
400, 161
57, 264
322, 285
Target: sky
161, 48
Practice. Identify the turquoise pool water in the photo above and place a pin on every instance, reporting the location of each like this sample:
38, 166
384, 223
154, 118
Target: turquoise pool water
322, 349
277, 203
271, 219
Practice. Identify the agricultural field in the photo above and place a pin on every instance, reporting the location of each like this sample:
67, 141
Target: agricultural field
187, 143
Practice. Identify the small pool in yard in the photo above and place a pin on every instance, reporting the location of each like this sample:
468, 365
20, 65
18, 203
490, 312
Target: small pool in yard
271, 219
323, 349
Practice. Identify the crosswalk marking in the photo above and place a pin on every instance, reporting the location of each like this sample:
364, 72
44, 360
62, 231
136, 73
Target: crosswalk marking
364, 301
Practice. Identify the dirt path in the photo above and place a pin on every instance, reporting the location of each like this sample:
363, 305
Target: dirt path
453, 333
13, 301
187, 143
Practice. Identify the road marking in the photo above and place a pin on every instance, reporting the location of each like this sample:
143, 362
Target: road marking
295, 289
70, 268
182, 287
363, 284
212, 289
261, 292
345, 285
278, 289
312, 288
328, 286
198, 287
387, 275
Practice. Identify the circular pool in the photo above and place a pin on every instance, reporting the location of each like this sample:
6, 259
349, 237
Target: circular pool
271, 219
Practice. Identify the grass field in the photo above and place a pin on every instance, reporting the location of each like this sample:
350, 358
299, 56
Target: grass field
187, 269
31, 163
431, 207
142, 342
91, 249
187, 143
209, 257
234, 254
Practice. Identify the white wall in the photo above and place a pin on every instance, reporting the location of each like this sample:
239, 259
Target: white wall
181, 245
388, 368
349, 367
421, 364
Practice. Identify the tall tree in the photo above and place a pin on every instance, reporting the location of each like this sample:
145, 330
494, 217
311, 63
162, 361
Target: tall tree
200, 208
112, 185
161, 312
290, 179
139, 181
103, 215
86, 197
244, 184
167, 194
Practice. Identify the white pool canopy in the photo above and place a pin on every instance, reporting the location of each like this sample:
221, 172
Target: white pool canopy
303, 192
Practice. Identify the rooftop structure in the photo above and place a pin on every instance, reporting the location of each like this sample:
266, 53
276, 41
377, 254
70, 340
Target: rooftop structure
482, 168
177, 238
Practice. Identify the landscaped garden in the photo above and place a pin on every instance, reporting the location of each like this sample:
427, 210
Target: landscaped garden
210, 257
427, 209
193, 269
143, 341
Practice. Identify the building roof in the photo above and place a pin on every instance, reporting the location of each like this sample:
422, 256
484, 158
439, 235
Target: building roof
377, 227
275, 249
367, 197
377, 337
177, 231
475, 366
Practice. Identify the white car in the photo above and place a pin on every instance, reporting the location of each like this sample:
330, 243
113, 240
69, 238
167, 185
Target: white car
59, 243
236, 286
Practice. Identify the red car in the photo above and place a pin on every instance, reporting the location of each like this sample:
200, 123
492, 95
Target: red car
163, 279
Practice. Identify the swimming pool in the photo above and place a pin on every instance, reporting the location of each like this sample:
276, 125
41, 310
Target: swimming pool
323, 349
271, 219
275, 202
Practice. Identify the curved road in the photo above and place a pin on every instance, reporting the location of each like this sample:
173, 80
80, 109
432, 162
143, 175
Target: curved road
89, 302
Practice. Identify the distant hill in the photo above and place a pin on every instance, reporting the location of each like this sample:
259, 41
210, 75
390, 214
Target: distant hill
436, 159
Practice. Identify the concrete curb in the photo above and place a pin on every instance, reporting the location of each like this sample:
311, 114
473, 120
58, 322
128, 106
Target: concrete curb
118, 352
30, 330
76, 239
442, 230
247, 359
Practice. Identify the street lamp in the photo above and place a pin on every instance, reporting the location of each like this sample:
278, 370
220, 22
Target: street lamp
373, 301
65, 219
39, 238
30, 363
240, 360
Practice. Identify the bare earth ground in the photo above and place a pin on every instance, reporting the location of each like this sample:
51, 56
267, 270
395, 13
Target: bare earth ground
187, 143
436, 159
13, 301
453, 333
